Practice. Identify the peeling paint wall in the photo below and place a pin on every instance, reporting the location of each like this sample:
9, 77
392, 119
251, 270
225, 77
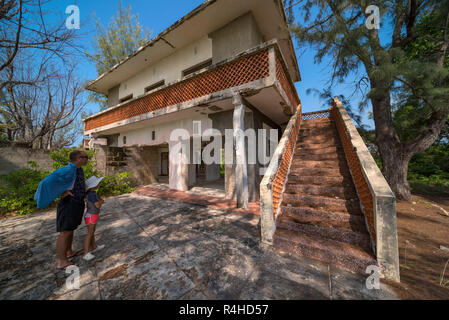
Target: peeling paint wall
113, 97
162, 132
14, 158
237, 36
169, 68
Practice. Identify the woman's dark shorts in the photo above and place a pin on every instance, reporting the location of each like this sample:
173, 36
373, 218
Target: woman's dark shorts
69, 214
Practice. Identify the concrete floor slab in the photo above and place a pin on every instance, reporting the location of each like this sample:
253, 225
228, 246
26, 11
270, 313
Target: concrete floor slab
166, 249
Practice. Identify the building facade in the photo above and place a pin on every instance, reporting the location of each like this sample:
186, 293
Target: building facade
226, 65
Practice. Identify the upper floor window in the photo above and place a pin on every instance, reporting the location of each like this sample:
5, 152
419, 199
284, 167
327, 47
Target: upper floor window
128, 97
155, 86
124, 139
197, 67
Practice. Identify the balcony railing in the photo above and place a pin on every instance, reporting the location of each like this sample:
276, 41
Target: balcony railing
258, 67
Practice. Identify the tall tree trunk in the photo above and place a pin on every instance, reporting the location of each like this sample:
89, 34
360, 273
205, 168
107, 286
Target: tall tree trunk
395, 169
394, 156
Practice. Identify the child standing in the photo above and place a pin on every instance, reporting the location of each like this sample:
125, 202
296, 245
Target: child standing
94, 203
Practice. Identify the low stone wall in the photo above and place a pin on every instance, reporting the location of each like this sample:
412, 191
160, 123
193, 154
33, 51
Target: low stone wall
17, 157
141, 161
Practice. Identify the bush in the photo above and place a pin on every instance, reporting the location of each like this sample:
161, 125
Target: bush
61, 159
117, 184
18, 187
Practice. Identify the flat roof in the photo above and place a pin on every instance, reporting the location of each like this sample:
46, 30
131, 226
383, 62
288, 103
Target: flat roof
204, 19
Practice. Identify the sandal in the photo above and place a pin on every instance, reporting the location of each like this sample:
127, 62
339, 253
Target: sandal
75, 254
89, 256
98, 248
70, 264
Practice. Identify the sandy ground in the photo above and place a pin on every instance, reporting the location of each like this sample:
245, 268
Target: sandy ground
422, 229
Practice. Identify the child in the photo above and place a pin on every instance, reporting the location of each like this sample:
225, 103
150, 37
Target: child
91, 217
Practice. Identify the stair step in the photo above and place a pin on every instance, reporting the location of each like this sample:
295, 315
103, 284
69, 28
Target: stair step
326, 131
315, 145
326, 232
329, 191
332, 172
314, 123
333, 252
324, 218
350, 206
333, 149
319, 180
318, 137
334, 163
319, 157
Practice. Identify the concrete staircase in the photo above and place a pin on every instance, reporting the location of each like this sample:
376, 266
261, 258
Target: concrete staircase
320, 216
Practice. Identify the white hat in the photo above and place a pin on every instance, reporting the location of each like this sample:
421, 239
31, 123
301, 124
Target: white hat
93, 182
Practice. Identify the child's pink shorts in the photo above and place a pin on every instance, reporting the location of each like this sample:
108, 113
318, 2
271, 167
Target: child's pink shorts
90, 218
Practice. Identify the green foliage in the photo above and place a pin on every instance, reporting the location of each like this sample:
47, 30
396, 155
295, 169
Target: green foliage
401, 67
18, 187
431, 167
61, 159
427, 169
117, 184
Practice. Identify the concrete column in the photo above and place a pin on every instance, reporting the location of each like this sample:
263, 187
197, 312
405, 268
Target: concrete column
252, 167
212, 172
240, 167
229, 181
191, 167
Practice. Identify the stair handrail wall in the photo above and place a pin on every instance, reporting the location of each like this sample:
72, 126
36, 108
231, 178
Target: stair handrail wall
275, 178
377, 200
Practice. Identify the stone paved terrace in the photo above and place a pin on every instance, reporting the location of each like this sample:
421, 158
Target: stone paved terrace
165, 249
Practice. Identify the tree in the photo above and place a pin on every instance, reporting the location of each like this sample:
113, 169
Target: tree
44, 113
122, 37
40, 95
338, 29
25, 26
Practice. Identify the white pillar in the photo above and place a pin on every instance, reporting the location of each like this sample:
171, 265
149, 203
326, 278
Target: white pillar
240, 172
178, 178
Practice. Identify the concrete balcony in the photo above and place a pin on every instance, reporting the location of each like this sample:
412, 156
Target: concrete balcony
258, 74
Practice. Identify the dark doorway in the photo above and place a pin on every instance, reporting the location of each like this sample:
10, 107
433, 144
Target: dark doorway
164, 163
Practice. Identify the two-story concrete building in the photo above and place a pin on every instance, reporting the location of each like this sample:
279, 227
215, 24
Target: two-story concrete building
227, 64
230, 65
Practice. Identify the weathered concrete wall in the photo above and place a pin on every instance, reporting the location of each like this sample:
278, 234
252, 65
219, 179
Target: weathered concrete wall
162, 131
235, 37
143, 162
14, 158
113, 97
169, 68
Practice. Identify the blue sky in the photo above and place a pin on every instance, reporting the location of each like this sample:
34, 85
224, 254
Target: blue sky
158, 15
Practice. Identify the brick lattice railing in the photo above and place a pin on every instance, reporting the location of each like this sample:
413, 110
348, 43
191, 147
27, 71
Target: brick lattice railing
246, 68
273, 183
281, 76
360, 183
243, 70
377, 201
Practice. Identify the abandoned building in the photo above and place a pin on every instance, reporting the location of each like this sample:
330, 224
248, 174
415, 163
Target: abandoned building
231, 64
